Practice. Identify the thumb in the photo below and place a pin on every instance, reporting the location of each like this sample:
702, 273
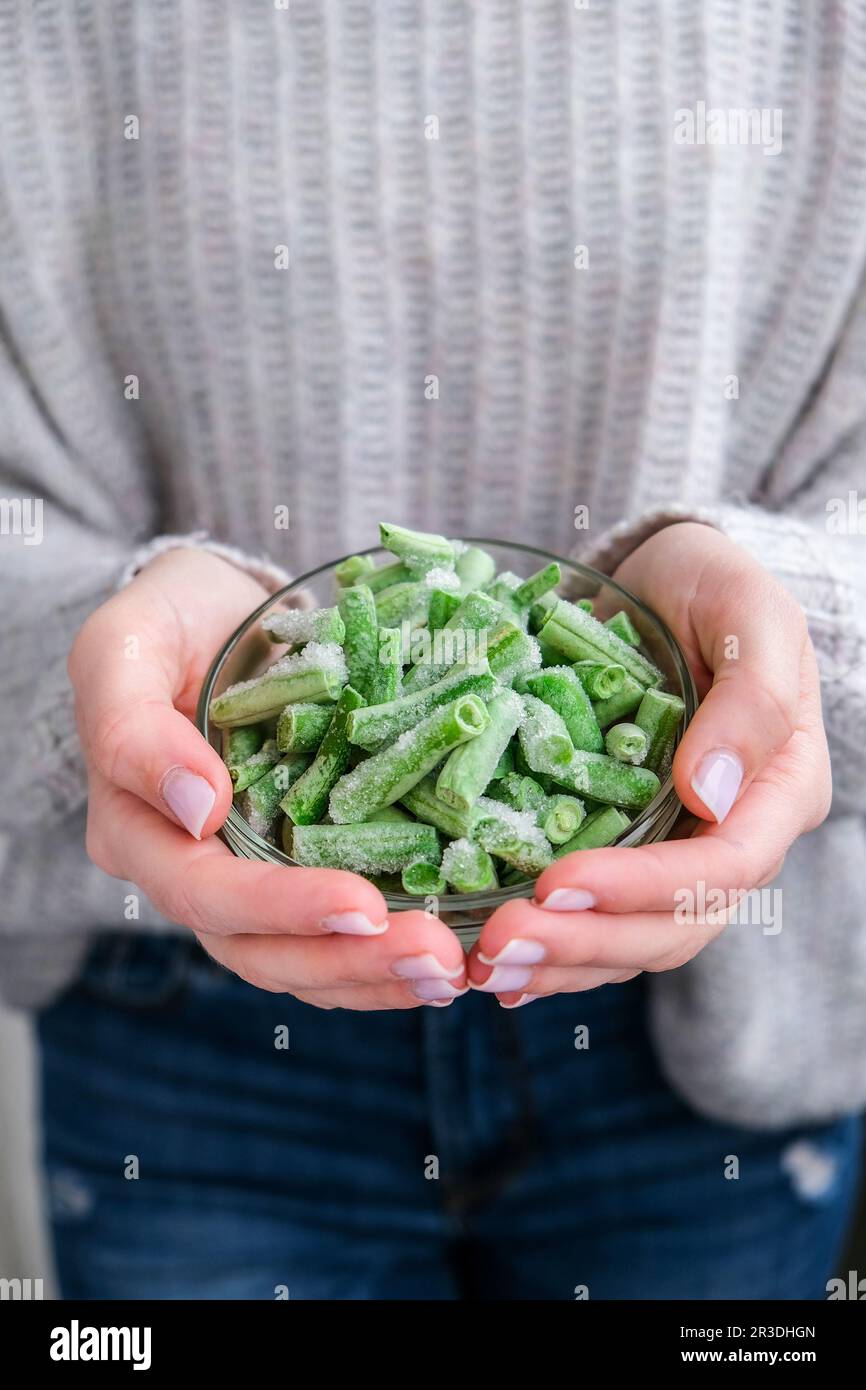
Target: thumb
131, 732
755, 646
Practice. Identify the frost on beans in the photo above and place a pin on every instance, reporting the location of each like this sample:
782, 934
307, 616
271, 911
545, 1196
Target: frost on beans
316, 656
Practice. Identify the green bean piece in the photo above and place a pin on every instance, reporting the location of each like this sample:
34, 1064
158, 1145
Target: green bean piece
307, 800
621, 703
623, 626
512, 836
426, 806
376, 847
540, 609
511, 653
301, 728
627, 743
560, 688
256, 766
300, 625
386, 775
386, 677
443, 606
241, 743
361, 644
409, 600
521, 792
386, 576
420, 551
600, 680
599, 829
538, 584
423, 880
467, 771
605, 780
467, 868
659, 715
376, 725
585, 604
522, 767
353, 569
456, 641
578, 635
474, 567
260, 803
317, 673
561, 817
544, 738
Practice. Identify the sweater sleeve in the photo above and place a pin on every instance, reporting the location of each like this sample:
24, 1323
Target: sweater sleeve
813, 547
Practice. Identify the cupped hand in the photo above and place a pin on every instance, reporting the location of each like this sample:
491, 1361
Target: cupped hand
753, 767
158, 792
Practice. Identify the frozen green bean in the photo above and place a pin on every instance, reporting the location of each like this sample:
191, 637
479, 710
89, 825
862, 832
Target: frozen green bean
419, 551
257, 764
300, 625
301, 728
578, 635
623, 626
627, 743
385, 576
352, 569
543, 736
467, 771
659, 716
423, 802
241, 743
537, 585
376, 847
599, 829
386, 677
260, 803
512, 836
307, 800
467, 867
560, 688
474, 567
443, 605
456, 640
599, 679
621, 703
361, 644
317, 673
561, 817
423, 880
386, 775
606, 780
378, 724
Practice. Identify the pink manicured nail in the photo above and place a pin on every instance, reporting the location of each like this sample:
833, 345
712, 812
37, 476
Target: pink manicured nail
189, 796
353, 924
518, 1003
518, 951
505, 979
424, 967
435, 991
717, 779
568, 900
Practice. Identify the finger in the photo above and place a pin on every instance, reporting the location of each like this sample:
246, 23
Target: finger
369, 998
417, 949
126, 669
205, 887
728, 858
532, 939
753, 637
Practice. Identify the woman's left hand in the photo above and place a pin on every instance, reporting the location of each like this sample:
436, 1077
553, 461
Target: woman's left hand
753, 766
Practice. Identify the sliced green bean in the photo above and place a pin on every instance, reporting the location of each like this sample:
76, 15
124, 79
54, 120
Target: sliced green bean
443, 606
423, 802
623, 626
599, 679
467, 867
561, 817
423, 880
544, 738
599, 829
467, 771
621, 703
260, 803
241, 743
307, 800
353, 568
375, 725
659, 715
627, 743
560, 688
386, 576
361, 644
300, 625
301, 728
530, 590
605, 780
385, 776
376, 847
386, 678
578, 635
317, 673
512, 836
420, 551
474, 568
244, 774
477, 613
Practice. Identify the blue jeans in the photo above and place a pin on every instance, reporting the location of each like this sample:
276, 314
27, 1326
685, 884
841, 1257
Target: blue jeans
468, 1152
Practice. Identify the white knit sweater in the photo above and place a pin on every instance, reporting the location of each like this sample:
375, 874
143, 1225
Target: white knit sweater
511, 290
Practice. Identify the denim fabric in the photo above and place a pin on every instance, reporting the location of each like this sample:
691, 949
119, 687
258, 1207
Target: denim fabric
467, 1152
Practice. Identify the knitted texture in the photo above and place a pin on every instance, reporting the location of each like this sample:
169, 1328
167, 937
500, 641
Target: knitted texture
447, 264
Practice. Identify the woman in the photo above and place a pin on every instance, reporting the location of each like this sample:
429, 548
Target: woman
469, 268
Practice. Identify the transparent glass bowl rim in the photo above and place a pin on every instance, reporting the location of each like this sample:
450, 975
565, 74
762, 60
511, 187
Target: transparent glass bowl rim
455, 902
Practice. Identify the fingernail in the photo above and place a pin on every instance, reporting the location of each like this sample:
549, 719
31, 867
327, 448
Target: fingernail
505, 979
425, 967
717, 779
518, 951
353, 924
189, 796
435, 991
568, 900
518, 1003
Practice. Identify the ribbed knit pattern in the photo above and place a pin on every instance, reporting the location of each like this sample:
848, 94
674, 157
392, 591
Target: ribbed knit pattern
432, 354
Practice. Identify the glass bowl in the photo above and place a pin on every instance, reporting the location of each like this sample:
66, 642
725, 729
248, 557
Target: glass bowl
248, 651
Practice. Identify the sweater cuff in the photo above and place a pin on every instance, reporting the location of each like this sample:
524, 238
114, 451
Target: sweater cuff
271, 577
617, 543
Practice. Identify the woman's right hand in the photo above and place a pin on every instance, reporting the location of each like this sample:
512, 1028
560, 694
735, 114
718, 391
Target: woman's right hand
158, 792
